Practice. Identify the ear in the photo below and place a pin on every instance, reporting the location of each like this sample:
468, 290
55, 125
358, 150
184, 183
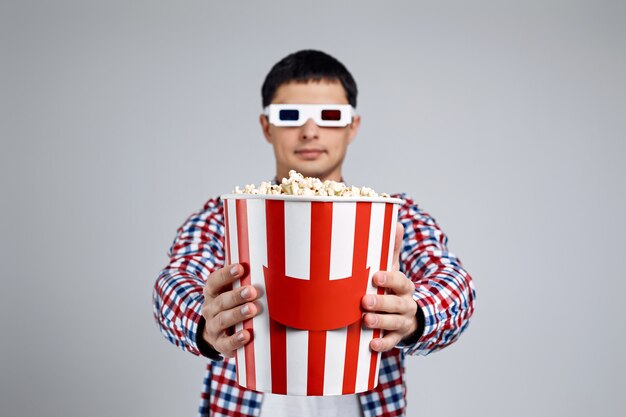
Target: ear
265, 126
354, 128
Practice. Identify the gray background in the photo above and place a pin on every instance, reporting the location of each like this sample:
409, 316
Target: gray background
504, 120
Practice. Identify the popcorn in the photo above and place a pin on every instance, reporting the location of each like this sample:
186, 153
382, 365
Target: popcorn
298, 184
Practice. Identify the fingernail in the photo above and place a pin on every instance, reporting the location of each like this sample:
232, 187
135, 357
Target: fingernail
376, 344
370, 300
245, 310
233, 270
372, 319
240, 337
245, 292
382, 278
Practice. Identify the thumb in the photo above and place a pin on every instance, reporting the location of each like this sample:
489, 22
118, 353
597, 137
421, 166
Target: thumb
397, 246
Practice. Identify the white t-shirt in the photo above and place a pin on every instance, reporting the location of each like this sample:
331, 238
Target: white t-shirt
302, 406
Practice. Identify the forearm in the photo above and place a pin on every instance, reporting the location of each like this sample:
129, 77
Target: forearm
445, 298
177, 303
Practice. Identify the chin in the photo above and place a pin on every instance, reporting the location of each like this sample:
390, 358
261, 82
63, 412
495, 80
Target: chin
314, 172
306, 171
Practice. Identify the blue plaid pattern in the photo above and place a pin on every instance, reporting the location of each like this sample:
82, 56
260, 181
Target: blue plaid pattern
444, 292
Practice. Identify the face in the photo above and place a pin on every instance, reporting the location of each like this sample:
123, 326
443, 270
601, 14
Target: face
309, 149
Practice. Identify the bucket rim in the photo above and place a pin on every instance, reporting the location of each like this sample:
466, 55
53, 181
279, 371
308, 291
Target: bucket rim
314, 198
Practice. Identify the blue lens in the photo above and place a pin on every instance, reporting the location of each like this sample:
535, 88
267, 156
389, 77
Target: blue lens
289, 115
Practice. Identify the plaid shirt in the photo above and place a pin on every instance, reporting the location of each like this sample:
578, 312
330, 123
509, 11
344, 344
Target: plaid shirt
443, 291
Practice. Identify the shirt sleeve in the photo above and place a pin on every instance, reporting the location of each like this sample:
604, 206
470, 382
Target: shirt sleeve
197, 251
444, 291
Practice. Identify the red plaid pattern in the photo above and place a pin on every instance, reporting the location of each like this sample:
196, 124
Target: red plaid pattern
444, 291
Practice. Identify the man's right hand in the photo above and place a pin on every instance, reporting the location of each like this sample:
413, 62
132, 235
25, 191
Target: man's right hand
224, 308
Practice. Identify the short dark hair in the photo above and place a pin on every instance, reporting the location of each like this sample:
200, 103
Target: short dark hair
308, 65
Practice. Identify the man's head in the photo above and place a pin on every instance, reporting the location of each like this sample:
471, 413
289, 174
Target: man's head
309, 77
304, 66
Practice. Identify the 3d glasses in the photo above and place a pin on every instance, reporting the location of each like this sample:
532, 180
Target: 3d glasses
324, 115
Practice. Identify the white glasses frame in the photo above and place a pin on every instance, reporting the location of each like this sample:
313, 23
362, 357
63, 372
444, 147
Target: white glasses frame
310, 111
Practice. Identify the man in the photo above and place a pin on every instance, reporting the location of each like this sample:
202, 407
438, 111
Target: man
430, 297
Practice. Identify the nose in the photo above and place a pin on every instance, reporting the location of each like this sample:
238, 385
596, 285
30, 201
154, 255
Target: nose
309, 131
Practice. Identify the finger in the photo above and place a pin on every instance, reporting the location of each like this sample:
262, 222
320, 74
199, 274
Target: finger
397, 246
396, 281
385, 321
388, 342
233, 298
386, 303
232, 317
228, 345
222, 278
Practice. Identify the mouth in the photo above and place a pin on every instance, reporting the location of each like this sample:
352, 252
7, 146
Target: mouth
309, 154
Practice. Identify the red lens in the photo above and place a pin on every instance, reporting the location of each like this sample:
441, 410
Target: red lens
331, 114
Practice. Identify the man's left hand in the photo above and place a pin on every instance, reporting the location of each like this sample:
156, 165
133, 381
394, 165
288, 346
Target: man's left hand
394, 312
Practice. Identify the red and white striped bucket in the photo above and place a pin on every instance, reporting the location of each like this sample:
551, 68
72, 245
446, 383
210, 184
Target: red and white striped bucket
313, 260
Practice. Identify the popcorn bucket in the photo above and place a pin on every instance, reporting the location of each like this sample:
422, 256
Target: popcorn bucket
312, 258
